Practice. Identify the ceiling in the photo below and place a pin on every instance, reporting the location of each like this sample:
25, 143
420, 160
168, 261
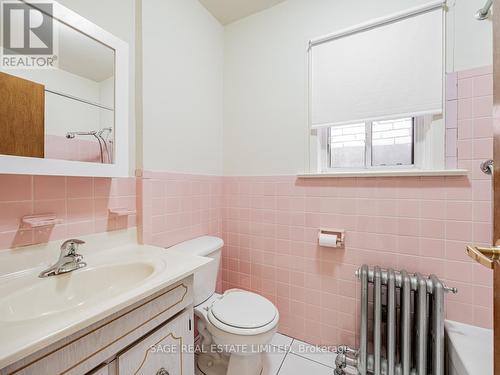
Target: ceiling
227, 11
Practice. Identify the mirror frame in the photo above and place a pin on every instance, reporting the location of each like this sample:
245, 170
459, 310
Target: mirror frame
54, 167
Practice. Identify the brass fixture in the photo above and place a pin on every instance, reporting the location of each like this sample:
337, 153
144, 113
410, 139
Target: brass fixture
486, 256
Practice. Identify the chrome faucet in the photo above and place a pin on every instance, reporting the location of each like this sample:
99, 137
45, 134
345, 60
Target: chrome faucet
69, 260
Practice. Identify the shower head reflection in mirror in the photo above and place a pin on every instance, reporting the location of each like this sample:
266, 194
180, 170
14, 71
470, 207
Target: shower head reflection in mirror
103, 138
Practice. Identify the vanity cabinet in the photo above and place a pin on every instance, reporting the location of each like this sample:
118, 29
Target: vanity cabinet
165, 352
123, 340
103, 370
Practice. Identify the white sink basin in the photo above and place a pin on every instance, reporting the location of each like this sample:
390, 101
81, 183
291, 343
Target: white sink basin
58, 294
37, 312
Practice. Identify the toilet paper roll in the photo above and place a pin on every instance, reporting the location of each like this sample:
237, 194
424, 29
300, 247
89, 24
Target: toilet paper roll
328, 240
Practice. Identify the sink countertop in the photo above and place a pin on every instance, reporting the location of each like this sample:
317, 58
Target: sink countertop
470, 348
21, 338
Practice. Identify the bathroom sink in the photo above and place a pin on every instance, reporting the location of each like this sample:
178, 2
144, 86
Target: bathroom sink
37, 312
59, 294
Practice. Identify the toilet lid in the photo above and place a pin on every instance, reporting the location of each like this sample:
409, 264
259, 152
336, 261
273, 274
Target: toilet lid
242, 309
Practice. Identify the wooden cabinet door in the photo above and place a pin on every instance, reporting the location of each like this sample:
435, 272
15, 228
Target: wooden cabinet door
22, 117
167, 351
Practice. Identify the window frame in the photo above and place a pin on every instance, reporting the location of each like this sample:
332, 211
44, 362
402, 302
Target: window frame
427, 147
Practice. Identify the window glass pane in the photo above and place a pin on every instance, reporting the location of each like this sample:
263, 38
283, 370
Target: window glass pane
347, 146
392, 142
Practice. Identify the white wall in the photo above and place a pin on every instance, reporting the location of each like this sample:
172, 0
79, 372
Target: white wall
265, 87
182, 86
473, 39
117, 17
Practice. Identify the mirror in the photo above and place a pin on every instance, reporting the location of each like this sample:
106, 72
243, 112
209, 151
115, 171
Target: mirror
62, 108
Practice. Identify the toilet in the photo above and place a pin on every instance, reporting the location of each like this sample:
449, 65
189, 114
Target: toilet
234, 327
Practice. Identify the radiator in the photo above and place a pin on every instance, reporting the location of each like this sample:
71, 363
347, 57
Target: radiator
407, 337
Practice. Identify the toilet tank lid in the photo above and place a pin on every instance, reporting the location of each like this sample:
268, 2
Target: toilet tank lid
201, 246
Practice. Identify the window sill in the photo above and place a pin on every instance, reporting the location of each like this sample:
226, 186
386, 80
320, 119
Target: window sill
388, 173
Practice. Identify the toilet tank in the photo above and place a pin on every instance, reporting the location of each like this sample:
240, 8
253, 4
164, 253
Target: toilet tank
205, 278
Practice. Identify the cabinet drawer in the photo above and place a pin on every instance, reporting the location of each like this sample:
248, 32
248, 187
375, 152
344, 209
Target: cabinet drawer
87, 350
164, 352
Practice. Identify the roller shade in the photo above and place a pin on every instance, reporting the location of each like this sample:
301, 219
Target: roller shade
391, 68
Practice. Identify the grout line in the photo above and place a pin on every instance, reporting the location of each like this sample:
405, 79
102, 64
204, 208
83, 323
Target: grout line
286, 355
312, 360
309, 359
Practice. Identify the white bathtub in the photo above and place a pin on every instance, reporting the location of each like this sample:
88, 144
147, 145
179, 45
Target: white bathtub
469, 349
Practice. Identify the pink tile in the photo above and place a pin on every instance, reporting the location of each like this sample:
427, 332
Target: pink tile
57, 207
49, 187
433, 209
465, 129
432, 229
482, 211
465, 88
44, 235
79, 187
483, 317
451, 142
460, 312
481, 190
458, 271
431, 247
482, 233
15, 188
455, 250
485, 70
458, 188
465, 150
459, 211
459, 230
11, 214
126, 186
483, 106
451, 163
451, 114
80, 229
481, 275
80, 210
105, 187
464, 110
483, 127
483, 85
482, 148
451, 86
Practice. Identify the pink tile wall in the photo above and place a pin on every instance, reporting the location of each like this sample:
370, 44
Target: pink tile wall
58, 147
179, 207
270, 227
81, 202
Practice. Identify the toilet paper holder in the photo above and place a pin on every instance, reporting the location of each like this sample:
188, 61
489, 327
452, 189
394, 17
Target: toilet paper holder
340, 233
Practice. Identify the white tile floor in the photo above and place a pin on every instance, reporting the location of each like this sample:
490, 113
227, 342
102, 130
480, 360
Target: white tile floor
293, 357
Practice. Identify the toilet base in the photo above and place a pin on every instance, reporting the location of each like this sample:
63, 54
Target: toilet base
208, 365
237, 365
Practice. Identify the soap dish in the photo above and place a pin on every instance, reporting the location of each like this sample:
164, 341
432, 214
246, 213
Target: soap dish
38, 221
121, 212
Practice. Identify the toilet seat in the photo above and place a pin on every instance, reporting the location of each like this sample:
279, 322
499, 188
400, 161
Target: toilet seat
243, 313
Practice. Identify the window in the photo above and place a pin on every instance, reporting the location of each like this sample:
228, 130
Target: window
387, 143
376, 94
392, 142
347, 146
